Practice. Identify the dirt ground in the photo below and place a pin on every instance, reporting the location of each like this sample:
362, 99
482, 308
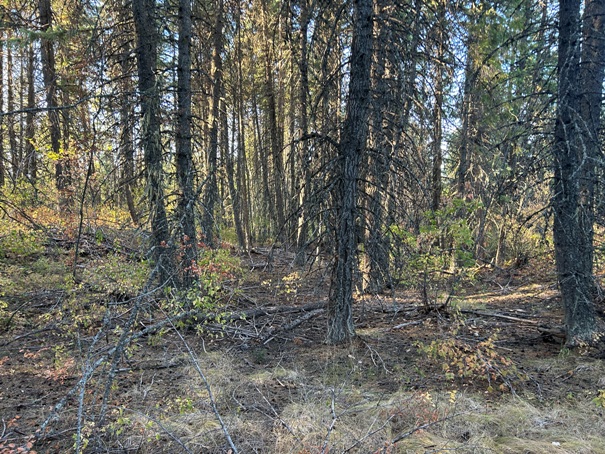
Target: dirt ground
490, 373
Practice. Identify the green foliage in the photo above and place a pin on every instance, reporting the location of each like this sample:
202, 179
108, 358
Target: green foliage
19, 242
5, 315
212, 270
599, 401
115, 274
437, 258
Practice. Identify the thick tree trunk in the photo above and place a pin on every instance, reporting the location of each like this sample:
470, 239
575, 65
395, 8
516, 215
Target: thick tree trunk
580, 70
147, 42
352, 147
184, 156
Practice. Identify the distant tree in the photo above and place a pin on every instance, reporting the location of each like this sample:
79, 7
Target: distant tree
211, 190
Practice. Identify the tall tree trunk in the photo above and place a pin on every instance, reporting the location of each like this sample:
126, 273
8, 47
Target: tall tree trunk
275, 142
16, 158
234, 191
305, 159
580, 70
184, 156
31, 163
147, 42
49, 72
211, 190
439, 32
127, 176
470, 114
2, 116
351, 150
376, 244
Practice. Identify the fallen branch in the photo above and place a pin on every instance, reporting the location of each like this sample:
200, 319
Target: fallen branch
505, 317
289, 326
403, 325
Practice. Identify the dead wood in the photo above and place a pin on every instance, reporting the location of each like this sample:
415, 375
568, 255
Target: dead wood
502, 316
554, 334
289, 326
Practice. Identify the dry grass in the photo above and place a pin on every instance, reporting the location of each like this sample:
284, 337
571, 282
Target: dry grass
282, 410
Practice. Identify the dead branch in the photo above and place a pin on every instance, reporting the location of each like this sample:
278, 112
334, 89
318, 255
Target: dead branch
495, 315
403, 325
293, 324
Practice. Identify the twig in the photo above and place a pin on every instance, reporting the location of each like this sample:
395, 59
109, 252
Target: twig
421, 427
332, 424
159, 423
289, 326
505, 317
208, 389
403, 325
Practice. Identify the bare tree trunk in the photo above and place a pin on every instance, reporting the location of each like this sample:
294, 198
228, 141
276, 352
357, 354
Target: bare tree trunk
376, 244
147, 41
15, 151
184, 156
439, 32
211, 191
127, 116
580, 70
275, 142
234, 191
352, 148
2, 156
469, 119
62, 179
31, 162
302, 236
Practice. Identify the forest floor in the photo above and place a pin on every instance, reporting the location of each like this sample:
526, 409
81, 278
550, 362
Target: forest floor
488, 374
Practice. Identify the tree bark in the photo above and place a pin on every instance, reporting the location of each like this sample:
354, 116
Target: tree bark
439, 32
211, 190
147, 41
352, 148
127, 122
2, 85
302, 236
15, 152
580, 70
49, 72
376, 244
184, 156
31, 162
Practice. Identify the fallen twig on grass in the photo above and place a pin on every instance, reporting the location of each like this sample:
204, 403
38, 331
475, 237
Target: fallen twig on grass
502, 316
403, 325
289, 326
200, 372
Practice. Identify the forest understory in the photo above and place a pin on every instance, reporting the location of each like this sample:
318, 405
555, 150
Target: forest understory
486, 373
